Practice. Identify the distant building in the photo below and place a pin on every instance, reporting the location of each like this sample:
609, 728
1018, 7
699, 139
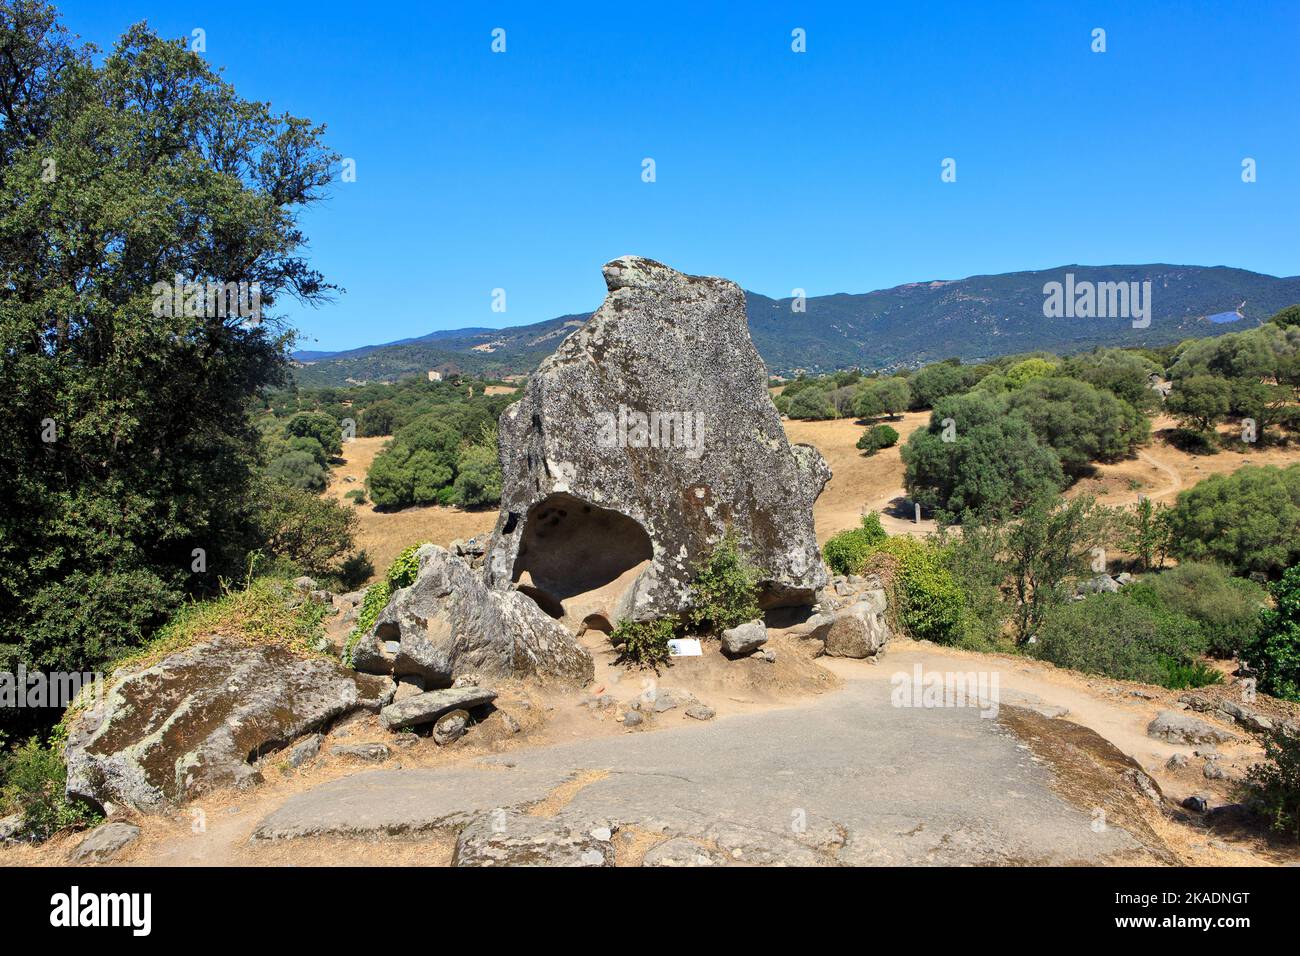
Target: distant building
434, 376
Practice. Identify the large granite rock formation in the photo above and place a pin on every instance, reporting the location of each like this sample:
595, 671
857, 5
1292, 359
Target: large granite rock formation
448, 623
198, 719
638, 444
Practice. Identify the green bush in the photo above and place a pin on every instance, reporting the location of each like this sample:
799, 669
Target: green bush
478, 477
724, 592
877, 437
1226, 608
32, 779
1180, 675
298, 469
1275, 784
1248, 520
644, 643
848, 551
1273, 651
357, 496
1114, 635
928, 603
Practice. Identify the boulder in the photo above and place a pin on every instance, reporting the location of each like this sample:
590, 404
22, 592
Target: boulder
449, 623
638, 444
510, 838
197, 720
11, 828
450, 727
105, 842
744, 638
858, 630
427, 707
1180, 728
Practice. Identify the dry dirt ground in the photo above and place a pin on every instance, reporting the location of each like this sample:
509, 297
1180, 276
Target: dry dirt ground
1049, 780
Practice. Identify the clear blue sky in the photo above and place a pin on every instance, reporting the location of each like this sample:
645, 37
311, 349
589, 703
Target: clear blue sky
779, 170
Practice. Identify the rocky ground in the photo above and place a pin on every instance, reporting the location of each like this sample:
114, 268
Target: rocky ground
798, 761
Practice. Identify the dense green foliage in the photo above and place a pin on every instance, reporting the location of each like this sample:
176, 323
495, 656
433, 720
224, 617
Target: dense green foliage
32, 779
877, 437
1248, 520
432, 461
1273, 650
129, 441
927, 602
1275, 783
974, 457
724, 591
1225, 608
1114, 635
644, 643
848, 551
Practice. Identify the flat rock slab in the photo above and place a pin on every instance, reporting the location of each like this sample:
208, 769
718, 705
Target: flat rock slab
851, 779
193, 721
1179, 728
501, 838
396, 802
427, 707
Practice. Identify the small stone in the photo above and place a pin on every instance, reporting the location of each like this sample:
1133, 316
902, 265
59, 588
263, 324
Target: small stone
744, 638
372, 752
304, 750
604, 834
1182, 728
700, 712
633, 718
11, 827
304, 584
450, 727
1176, 762
1212, 770
428, 707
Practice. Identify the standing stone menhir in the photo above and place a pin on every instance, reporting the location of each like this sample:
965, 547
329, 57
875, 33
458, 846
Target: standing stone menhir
645, 438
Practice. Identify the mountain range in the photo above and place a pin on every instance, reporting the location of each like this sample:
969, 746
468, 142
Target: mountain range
976, 318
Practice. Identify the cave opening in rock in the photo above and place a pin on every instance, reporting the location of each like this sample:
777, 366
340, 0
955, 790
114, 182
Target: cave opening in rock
577, 559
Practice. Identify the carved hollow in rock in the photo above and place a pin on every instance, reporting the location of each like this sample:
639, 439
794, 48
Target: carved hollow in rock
578, 560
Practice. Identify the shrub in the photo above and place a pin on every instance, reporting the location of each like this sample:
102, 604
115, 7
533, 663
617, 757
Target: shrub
877, 437
644, 643
813, 403
882, 396
357, 496
725, 590
848, 551
1226, 608
983, 460
306, 529
298, 469
1275, 784
928, 604
1248, 520
1179, 675
1114, 635
478, 478
32, 779
1273, 651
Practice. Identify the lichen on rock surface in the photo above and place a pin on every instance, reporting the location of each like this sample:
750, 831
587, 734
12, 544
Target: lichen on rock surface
638, 445
448, 623
198, 719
